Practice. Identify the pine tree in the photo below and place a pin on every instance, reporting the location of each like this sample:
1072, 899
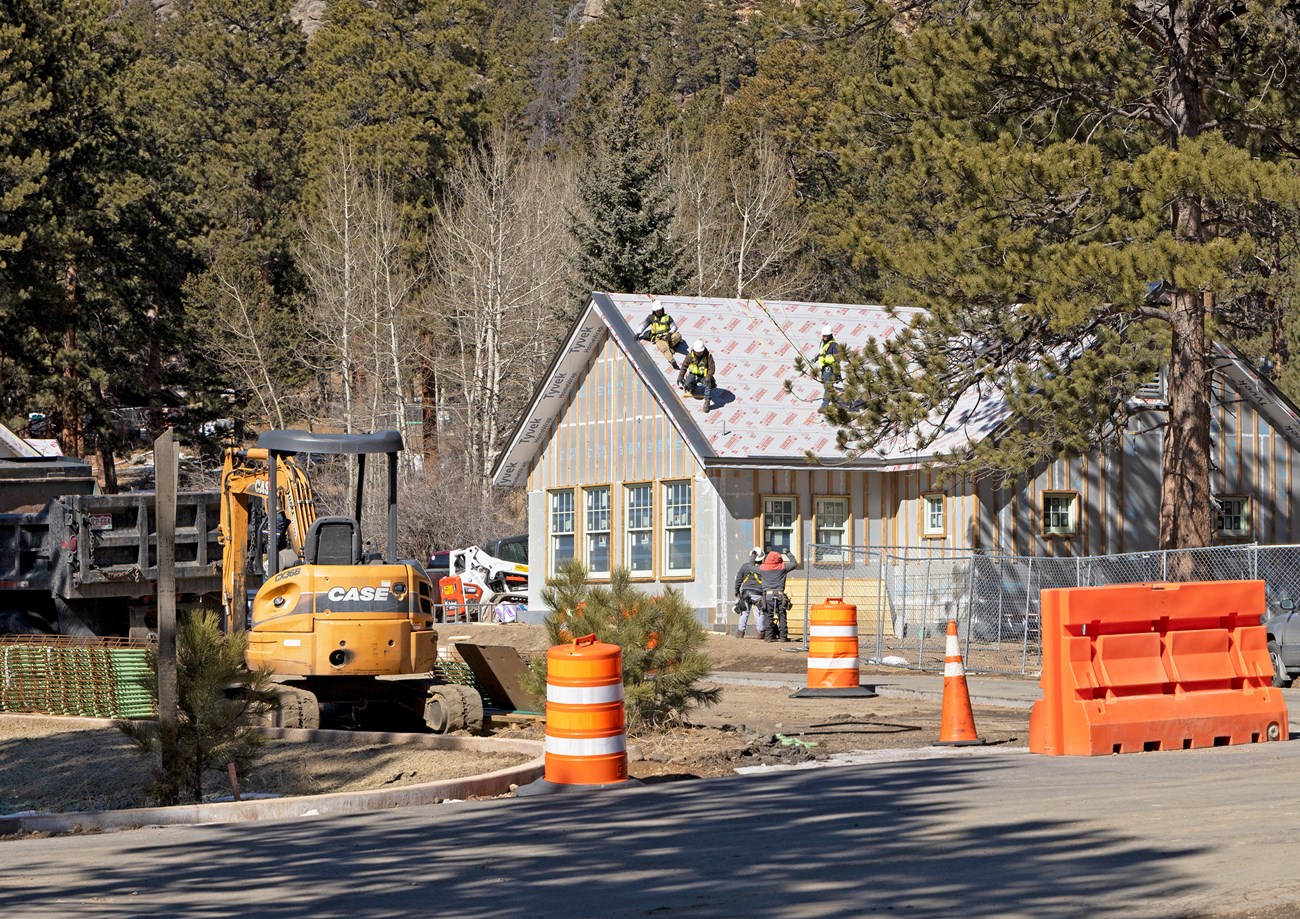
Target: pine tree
219, 701
660, 638
1043, 165
624, 230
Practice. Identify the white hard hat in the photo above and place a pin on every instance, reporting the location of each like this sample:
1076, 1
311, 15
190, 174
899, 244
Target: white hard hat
756, 553
699, 345
658, 307
826, 330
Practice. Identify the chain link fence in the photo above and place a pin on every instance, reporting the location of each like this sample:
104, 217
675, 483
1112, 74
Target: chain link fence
905, 596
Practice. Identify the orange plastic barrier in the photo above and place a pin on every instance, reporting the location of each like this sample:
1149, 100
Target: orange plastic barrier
832, 645
1139, 667
957, 727
586, 729
456, 595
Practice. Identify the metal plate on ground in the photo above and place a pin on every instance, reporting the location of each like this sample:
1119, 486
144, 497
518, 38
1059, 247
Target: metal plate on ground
498, 671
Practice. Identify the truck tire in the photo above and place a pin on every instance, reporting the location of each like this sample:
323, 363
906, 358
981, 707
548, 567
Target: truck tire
298, 709
454, 708
1281, 678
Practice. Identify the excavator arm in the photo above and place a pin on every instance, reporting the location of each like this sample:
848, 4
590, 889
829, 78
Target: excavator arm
245, 482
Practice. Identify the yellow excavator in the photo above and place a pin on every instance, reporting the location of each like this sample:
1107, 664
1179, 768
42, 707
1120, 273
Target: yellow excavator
335, 622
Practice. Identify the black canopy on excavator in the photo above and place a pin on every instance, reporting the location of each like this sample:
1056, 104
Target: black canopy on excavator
282, 441
287, 441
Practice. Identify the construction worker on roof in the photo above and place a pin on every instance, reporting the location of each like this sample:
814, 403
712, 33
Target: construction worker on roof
828, 364
661, 330
699, 369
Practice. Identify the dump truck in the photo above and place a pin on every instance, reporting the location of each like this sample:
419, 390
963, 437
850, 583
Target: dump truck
74, 562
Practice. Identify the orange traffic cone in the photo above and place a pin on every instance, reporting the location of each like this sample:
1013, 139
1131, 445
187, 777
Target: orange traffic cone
958, 724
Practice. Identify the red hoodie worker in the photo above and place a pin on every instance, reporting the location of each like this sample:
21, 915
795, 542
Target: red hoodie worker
772, 573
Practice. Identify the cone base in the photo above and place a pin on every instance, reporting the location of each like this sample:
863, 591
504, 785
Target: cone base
960, 743
547, 787
842, 692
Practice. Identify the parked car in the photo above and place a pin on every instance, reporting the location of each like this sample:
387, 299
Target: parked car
1282, 625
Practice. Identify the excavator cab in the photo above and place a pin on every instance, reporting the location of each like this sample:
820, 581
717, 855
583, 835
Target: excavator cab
334, 621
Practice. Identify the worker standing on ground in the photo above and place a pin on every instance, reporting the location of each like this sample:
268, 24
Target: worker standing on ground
699, 369
661, 330
772, 573
828, 364
749, 595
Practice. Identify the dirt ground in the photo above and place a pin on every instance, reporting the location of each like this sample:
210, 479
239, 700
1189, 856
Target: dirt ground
54, 765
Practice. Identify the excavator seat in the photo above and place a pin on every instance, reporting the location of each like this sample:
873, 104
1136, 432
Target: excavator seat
333, 541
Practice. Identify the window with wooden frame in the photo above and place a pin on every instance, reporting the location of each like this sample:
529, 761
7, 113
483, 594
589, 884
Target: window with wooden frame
780, 517
933, 523
639, 521
1232, 516
678, 560
562, 521
831, 527
1060, 513
596, 531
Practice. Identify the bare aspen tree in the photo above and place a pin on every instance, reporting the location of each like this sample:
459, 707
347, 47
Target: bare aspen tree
241, 332
740, 218
501, 253
769, 231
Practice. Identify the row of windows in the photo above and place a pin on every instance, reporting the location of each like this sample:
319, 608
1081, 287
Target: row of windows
589, 537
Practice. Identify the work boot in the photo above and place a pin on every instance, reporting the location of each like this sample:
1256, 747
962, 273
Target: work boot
706, 406
740, 634
673, 364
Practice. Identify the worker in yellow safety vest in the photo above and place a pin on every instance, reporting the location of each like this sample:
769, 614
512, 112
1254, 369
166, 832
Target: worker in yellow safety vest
699, 369
828, 364
660, 330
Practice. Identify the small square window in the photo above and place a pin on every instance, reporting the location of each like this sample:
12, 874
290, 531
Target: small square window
1060, 513
779, 518
1233, 518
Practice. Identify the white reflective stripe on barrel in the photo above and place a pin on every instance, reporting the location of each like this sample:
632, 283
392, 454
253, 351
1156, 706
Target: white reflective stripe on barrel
595, 746
834, 631
832, 663
953, 668
584, 695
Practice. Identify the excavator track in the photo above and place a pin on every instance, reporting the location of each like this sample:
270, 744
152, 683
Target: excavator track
452, 707
298, 708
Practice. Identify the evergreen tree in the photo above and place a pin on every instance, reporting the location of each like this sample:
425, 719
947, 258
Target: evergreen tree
660, 638
624, 230
220, 702
1043, 165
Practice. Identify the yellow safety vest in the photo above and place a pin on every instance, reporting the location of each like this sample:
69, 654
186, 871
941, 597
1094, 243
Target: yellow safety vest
699, 365
824, 356
659, 325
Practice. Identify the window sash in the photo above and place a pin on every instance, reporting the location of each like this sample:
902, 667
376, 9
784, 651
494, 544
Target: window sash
832, 528
638, 550
779, 517
597, 550
562, 519
934, 523
1233, 517
1060, 514
677, 529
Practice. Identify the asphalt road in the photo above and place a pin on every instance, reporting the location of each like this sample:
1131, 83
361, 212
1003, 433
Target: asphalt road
996, 833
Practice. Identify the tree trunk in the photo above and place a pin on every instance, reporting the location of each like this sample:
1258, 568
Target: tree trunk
73, 440
429, 411
1185, 466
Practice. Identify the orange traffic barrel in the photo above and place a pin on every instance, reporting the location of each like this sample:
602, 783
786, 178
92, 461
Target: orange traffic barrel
833, 651
586, 728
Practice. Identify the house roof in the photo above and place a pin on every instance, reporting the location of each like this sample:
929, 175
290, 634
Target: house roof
755, 422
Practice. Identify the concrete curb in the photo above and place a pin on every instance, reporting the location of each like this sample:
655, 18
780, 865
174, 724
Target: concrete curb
881, 685
489, 784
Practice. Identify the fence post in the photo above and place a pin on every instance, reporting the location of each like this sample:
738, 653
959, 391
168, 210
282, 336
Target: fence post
1164, 564
1024, 637
807, 586
880, 607
970, 604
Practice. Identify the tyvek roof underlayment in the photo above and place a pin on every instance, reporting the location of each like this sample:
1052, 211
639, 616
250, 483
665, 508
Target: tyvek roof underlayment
754, 345
755, 421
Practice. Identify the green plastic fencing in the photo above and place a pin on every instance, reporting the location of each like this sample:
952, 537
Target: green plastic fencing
84, 680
